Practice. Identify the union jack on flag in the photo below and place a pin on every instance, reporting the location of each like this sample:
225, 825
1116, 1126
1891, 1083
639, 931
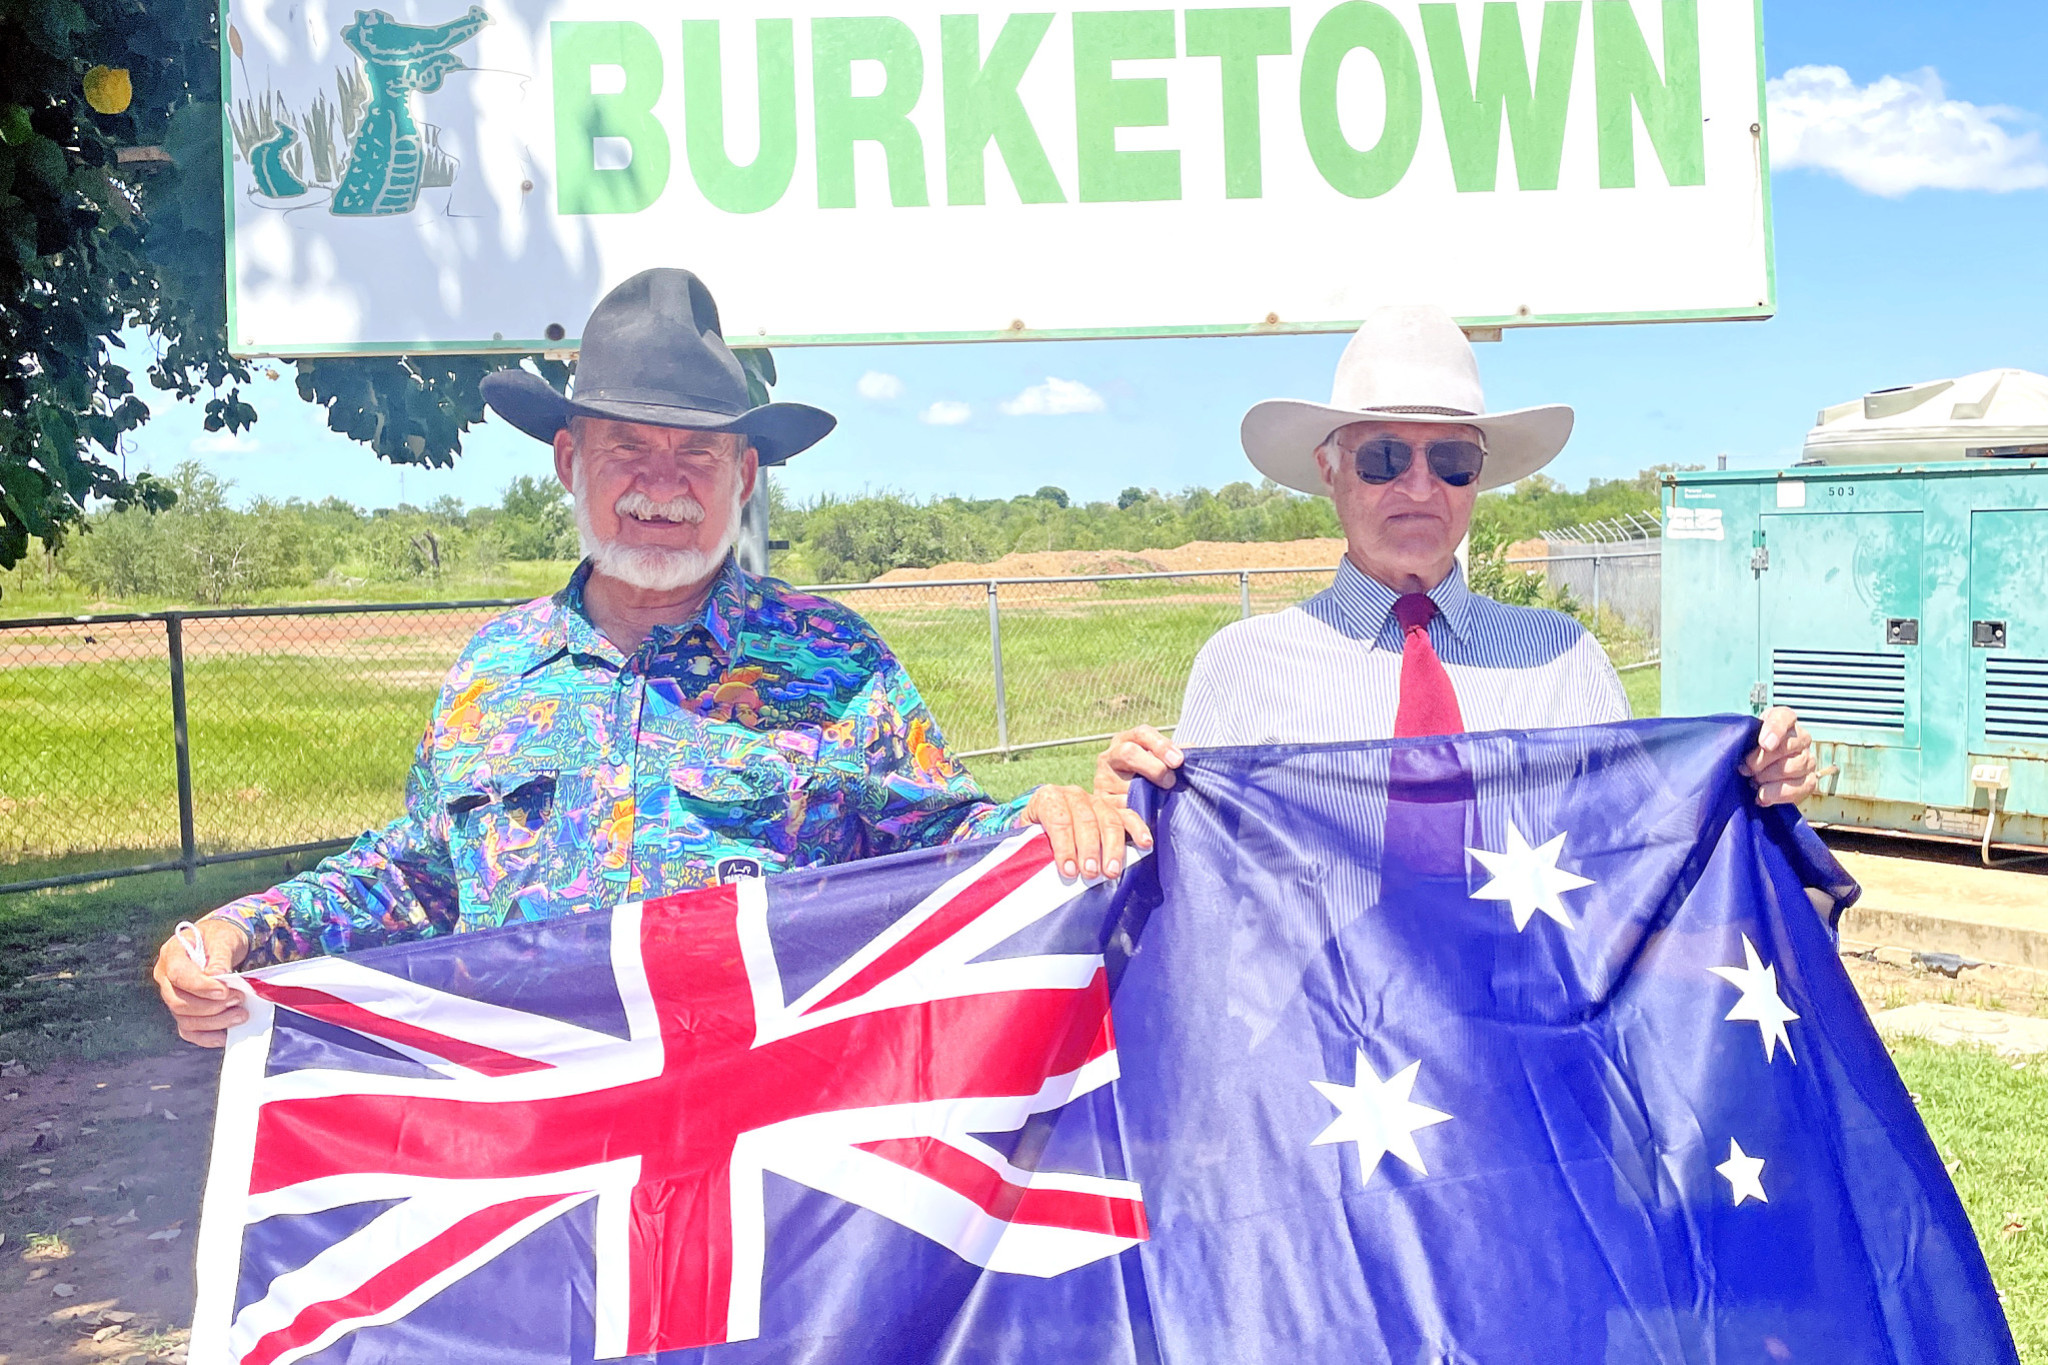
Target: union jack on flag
698, 1120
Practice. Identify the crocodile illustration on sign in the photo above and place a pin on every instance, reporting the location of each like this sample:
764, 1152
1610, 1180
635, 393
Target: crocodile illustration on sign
387, 157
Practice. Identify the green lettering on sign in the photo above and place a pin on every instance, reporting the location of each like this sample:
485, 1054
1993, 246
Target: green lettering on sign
1362, 173
1103, 104
1472, 113
1240, 37
844, 118
582, 117
1625, 79
982, 104
761, 182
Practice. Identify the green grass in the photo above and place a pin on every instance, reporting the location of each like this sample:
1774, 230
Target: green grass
303, 728
1645, 698
1989, 1120
1073, 765
75, 962
1085, 668
300, 729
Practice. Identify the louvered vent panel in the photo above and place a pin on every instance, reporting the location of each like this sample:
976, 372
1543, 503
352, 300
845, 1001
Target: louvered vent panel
2015, 698
1841, 687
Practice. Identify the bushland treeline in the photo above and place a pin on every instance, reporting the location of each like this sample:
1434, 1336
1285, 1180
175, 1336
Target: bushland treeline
207, 549
852, 539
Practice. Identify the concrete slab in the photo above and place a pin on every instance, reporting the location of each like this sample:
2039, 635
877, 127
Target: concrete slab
1923, 906
2011, 1034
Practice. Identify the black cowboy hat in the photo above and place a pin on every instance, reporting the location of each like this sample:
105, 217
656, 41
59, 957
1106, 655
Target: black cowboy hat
653, 353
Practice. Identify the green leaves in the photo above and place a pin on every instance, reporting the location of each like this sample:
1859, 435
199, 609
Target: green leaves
229, 413
759, 364
408, 409
74, 268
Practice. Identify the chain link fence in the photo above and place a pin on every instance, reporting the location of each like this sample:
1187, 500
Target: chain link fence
175, 740
1624, 579
171, 741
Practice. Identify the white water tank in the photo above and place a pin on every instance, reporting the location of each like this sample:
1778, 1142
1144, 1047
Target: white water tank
1987, 415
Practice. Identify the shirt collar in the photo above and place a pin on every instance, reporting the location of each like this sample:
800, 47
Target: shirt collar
725, 609
1364, 603
569, 626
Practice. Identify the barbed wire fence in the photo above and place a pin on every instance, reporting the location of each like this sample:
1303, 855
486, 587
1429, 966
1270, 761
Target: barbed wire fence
172, 741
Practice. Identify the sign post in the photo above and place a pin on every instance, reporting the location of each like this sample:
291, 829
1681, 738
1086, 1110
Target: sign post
441, 178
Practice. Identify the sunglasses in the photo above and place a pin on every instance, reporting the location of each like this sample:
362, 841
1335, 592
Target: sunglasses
1384, 459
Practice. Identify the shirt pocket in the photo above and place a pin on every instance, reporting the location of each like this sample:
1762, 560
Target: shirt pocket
759, 795
502, 823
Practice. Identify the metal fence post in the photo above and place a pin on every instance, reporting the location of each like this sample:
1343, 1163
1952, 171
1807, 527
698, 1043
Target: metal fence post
181, 744
995, 647
1596, 587
1244, 594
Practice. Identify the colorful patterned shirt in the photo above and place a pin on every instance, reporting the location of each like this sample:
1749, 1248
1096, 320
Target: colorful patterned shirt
559, 775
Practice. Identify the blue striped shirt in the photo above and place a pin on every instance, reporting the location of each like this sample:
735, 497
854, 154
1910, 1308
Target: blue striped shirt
1330, 669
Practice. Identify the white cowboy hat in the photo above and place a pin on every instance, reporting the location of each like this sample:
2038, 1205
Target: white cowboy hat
1407, 363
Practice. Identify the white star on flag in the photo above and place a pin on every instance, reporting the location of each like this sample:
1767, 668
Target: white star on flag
1378, 1116
1528, 879
1760, 1001
1744, 1174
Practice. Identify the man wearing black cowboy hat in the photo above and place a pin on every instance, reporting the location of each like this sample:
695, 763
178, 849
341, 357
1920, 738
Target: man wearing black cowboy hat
666, 720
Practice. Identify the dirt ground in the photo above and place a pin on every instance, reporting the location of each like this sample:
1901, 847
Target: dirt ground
111, 1158
1196, 554
436, 633
376, 632
1888, 978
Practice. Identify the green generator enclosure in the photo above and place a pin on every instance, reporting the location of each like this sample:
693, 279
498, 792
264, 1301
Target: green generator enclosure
1900, 609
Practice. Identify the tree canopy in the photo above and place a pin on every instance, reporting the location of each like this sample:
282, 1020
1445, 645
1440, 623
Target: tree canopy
210, 547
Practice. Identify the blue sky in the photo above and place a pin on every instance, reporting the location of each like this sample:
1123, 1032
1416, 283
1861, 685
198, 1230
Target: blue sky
1908, 248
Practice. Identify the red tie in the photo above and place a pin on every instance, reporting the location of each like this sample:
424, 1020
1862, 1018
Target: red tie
1428, 704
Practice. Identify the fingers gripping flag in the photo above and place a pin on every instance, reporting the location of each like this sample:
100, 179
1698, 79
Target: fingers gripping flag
1514, 1048
399, 1123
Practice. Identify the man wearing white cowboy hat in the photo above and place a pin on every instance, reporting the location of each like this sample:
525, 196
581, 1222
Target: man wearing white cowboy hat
666, 720
1398, 645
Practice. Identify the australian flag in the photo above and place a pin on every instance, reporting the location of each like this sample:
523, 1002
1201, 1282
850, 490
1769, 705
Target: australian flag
1500, 1048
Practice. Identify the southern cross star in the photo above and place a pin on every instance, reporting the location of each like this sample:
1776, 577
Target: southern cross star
1378, 1116
1528, 879
1760, 1002
1744, 1174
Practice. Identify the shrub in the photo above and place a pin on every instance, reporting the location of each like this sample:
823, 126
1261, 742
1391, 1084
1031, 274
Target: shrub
857, 540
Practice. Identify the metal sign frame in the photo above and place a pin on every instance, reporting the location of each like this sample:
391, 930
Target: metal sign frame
566, 344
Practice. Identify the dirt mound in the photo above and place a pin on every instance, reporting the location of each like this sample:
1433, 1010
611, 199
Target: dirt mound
1252, 554
1196, 554
1036, 564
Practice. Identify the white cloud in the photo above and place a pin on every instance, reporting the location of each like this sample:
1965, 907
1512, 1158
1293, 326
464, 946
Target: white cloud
1054, 398
224, 443
1900, 133
946, 413
880, 387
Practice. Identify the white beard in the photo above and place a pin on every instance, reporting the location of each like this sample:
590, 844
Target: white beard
653, 568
